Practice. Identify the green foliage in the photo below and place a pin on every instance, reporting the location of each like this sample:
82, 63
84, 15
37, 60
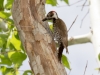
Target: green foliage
1, 5
14, 40
8, 71
3, 38
27, 72
5, 60
4, 15
17, 58
66, 1
65, 62
12, 54
8, 5
54, 2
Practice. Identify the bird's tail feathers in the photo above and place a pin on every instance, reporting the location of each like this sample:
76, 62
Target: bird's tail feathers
60, 51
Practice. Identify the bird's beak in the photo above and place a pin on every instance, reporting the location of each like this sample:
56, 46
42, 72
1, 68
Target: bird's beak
47, 18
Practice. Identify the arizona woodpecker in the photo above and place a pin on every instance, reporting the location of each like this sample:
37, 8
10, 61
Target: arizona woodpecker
60, 32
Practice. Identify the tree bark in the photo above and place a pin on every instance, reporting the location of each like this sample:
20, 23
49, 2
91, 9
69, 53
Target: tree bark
36, 37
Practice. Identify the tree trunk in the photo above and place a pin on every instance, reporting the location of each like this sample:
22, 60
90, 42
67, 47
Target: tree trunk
36, 37
95, 27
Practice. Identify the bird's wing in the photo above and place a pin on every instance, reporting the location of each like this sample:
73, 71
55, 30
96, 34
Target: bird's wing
62, 29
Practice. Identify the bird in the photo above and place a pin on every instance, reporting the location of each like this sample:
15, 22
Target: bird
59, 31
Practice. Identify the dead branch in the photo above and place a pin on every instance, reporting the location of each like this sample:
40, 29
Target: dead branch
76, 2
70, 4
85, 68
73, 23
83, 5
84, 18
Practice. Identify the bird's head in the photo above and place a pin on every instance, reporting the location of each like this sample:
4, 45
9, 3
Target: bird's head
50, 16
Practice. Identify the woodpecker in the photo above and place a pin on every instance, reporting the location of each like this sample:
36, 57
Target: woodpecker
60, 32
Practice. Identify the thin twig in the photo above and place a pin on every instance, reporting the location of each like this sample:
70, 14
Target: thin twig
22, 70
85, 68
84, 18
70, 4
73, 23
76, 2
83, 5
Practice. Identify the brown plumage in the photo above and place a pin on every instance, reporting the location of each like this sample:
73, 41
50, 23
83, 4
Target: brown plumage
60, 32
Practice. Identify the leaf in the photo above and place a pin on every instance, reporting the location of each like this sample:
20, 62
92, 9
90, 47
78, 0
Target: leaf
5, 60
10, 21
8, 5
8, 71
65, 62
17, 57
14, 41
2, 41
66, 1
5, 70
99, 56
3, 38
4, 15
27, 71
52, 2
1, 5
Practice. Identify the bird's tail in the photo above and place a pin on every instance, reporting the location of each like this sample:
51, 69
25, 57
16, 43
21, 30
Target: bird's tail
60, 51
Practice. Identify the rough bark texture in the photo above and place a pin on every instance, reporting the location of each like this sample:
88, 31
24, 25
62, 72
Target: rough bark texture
36, 37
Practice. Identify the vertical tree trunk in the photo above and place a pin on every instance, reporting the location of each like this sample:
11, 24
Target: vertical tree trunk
95, 26
36, 37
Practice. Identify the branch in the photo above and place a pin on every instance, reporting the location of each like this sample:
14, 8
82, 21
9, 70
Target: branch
81, 39
83, 5
76, 2
71, 4
86, 67
73, 23
84, 18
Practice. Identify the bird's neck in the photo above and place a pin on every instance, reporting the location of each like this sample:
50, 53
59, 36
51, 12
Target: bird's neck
54, 20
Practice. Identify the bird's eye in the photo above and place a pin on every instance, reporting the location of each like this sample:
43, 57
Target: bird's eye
50, 15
